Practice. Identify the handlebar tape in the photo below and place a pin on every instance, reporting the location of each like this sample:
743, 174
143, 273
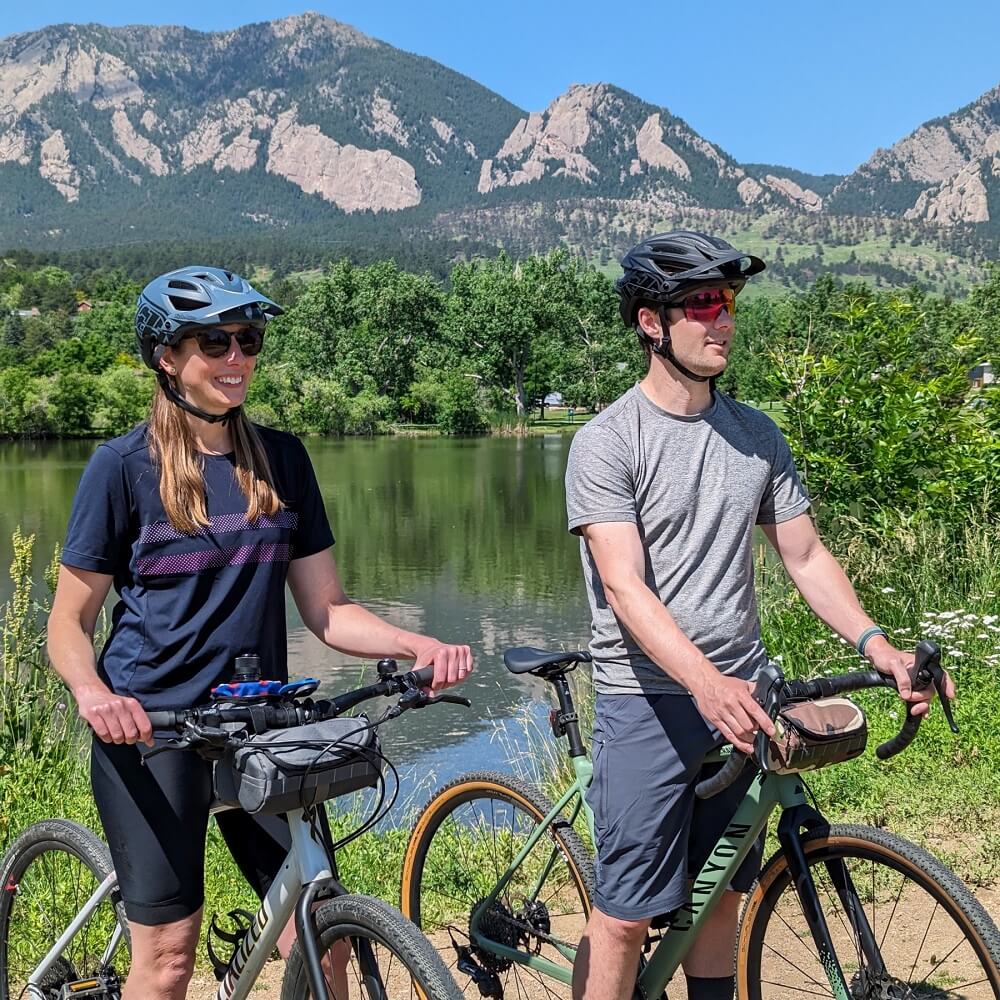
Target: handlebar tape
902, 739
724, 777
423, 676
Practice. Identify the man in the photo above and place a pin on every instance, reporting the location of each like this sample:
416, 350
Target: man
665, 488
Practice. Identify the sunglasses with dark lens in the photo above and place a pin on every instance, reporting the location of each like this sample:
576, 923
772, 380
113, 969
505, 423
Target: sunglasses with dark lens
214, 343
705, 306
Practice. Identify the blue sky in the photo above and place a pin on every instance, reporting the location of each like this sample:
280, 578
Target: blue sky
807, 85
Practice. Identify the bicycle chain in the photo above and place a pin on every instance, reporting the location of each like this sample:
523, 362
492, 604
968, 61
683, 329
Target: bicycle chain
523, 926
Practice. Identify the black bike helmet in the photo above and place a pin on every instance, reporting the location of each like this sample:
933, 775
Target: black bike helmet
190, 298
661, 270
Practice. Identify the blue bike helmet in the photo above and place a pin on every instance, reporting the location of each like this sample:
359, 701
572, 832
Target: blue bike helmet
190, 298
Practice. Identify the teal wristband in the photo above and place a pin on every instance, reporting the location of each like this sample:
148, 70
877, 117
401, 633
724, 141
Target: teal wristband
869, 633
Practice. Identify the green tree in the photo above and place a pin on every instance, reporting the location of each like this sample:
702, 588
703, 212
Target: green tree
874, 429
505, 314
71, 400
125, 395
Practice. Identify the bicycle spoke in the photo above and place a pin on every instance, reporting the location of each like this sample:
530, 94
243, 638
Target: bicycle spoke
899, 896
954, 948
788, 961
802, 943
920, 947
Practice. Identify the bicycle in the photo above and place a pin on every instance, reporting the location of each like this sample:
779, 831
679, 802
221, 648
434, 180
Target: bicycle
63, 930
498, 878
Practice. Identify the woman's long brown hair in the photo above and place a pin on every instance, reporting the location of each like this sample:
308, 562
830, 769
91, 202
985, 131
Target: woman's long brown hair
182, 480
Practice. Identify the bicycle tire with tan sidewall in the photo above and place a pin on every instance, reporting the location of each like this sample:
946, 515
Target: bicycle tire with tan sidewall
973, 943
474, 877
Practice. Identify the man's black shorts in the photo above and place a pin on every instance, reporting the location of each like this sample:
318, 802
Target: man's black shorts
653, 834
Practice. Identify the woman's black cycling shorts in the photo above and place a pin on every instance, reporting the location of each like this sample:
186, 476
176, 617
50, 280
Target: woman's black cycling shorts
155, 818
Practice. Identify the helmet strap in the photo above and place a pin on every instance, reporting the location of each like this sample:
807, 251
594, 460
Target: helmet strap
178, 400
665, 350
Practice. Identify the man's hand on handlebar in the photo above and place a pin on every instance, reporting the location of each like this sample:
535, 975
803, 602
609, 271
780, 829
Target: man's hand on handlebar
728, 704
900, 664
114, 718
452, 663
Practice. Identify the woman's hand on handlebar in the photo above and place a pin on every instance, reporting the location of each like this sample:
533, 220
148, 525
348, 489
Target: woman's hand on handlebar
452, 663
114, 718
900, 664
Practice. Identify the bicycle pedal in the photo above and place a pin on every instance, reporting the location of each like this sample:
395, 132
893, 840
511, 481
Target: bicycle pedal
105, 985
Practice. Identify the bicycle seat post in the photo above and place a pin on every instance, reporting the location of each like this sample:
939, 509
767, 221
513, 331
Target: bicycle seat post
565, 721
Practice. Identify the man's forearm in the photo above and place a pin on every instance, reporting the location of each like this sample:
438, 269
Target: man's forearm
652, 626
826, 589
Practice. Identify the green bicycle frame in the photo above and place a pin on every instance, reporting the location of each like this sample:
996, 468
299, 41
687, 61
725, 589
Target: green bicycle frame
766, 793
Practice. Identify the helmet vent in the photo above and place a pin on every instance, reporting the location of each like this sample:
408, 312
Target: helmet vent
185, 305
186, 285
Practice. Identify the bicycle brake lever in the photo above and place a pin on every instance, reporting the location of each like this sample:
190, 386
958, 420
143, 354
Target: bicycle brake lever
767, 694
930, 671
451, 699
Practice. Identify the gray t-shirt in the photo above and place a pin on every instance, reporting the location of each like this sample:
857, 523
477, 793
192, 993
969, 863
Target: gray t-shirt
695, 486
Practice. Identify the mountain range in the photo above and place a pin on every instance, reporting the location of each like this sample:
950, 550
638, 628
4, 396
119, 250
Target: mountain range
305, 125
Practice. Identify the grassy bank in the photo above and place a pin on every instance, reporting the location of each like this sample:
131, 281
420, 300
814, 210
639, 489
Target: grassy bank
918, 582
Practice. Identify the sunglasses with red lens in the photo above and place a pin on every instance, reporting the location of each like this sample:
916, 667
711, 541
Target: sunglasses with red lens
706, 305
214, 342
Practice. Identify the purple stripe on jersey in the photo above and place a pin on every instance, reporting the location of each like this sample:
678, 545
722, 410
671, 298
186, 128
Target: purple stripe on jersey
194, 562
164, 531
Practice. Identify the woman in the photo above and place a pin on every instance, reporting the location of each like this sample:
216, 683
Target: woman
198, 518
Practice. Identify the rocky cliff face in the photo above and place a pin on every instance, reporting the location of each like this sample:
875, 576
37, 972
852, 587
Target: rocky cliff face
942, 172
85, 106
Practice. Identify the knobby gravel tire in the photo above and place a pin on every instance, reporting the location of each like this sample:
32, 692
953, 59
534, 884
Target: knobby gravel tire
44, 851
944, 945
407, 955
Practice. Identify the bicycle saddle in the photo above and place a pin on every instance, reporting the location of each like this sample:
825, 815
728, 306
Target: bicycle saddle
528, 660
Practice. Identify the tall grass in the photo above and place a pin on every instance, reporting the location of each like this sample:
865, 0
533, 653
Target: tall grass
41, 743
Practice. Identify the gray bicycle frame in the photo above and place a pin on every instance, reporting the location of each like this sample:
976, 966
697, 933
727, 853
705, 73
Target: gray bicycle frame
305, 862
765, 794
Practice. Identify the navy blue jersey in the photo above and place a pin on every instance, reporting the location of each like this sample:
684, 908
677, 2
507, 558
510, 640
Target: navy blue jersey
191, 603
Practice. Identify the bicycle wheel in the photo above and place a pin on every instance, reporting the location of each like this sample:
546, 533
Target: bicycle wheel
46, 877
464, 840
386, 955
935, 939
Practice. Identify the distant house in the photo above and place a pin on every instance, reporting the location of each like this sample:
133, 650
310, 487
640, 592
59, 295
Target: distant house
982, 375
85, 306
26, 313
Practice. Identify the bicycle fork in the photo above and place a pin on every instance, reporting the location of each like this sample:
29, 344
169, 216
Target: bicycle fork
804, 817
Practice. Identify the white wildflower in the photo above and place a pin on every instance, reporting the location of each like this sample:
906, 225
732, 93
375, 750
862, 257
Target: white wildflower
888, 590
956, 653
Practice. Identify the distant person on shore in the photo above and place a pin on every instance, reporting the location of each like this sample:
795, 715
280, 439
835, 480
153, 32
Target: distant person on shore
198, 519
665, 488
